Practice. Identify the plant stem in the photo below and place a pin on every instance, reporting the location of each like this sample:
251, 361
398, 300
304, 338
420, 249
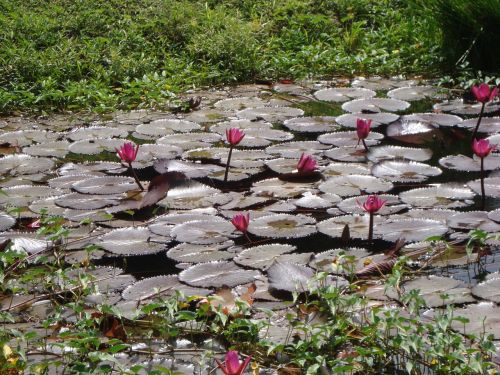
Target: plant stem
483, 195
248, 238
227, 163
135, 176
364, 144
478, 121
370, 230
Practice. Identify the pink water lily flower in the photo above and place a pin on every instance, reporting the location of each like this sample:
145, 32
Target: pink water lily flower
482, 148
128, 152
234, 136
483, 93
363, 128
373, 203
232, 364
241, 222
306, 164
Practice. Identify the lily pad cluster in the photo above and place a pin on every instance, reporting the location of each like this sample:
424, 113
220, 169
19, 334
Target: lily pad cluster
298, 223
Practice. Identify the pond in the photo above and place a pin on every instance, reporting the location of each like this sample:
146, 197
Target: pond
418, 160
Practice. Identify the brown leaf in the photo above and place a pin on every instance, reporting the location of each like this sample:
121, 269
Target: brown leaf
377, 269
394, 251
346, 234
116, 331
160, 185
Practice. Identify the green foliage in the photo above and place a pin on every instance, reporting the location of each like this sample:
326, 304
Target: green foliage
101, 55
469, 31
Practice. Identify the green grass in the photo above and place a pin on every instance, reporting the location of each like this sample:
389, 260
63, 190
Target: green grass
106, 54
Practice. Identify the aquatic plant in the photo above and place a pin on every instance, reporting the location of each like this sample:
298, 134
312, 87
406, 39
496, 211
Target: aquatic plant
482, 149
128, 153
233, 137
483, 95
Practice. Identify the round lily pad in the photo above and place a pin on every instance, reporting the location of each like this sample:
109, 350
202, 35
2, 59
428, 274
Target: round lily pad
58, 149
488, 290
439, 196
343, 94
354, 185
354, 205
349, 120
86, 201
6, 221
96, 146
237, 104
94, 132
339, 260
490, 125
468, 164
375, 105
160, 287
159, 128
413, 93
349, 138
129, 241
379, 83
283, 226
193, 253
316, 124
403, 171
188, 141
195, 196
354, 153
473, 220
313, 201
433, 289
412, 230
22, 164
106, 185
275, 188
202, 232
381, 153
340, 169
217, 274
458, 107
263, 256
295, 149
270, 114
491, 186
23, 195
358, 225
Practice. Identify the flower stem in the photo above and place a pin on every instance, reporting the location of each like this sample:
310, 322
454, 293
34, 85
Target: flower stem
370, 229
483, 195
248, 237
135, 176
227, 163
364, 144
478, 121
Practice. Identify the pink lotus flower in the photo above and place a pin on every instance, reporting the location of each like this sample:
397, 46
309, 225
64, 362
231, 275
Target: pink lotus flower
241, 221
373, 203
306, 164
233, 366
363, 128
234, 136
482, 148
483, 93
128, 152
34, 224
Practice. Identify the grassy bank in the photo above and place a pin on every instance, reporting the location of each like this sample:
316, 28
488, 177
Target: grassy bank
103, 54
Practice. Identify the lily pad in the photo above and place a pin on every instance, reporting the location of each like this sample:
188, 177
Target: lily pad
343, 94
403, 171
458, 107
283, 226
275, 188
194, 196
434, 288
354, 185
313, 201
316, 124
490, 125
347, 154
94, 132
467, 164
162, 127
188, 141
129, 241
6, 221
412, 230
86, 201
160, 287
439, 196
23, 195
381, 153
358, 225
22, 164
349, 138
263, 256
202, 232
192, 253
354, 205
217, 274
58, 149
270, 114
237, 104
349, 119
473, 220
96, 146
107, 185
375, 105
488, 290
413, 93
295, 149
341, 169
491, 186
